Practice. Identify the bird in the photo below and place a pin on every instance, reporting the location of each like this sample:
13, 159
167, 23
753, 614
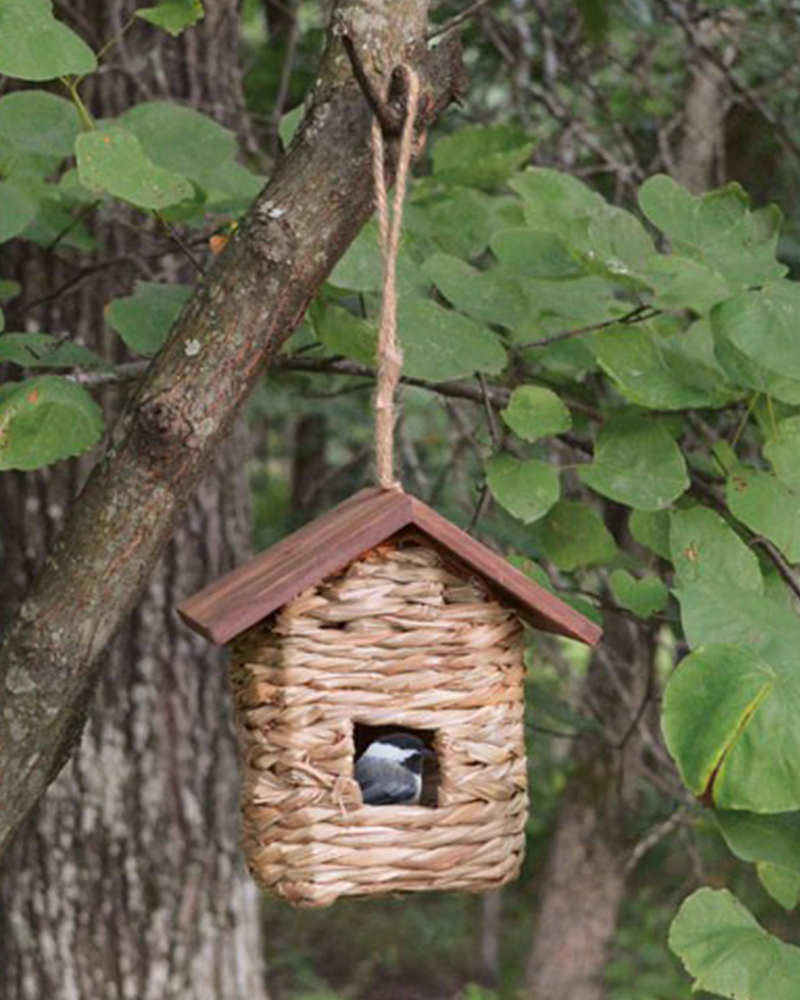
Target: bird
389, 771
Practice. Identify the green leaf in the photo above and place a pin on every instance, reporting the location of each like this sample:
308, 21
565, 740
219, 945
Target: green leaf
359, 270
573, 535
638, 360
782, 884
763, 324
526, 489
680, 283
45, 419
441, 345
643, 597
343, 333
534, 412
492, 296
180, 139
722, 708
481, 155
729, 953
637, 463
17, 210
767, 506
37, 122
112, 160
35, 46
554, 200
717, 229
754, 838
704, 548
173, 16
42, 350
784, 452
651, 529
144, 319
615, 242
535, 253
457, 221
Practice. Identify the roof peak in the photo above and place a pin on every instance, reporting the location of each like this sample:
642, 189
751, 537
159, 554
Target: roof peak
327, 545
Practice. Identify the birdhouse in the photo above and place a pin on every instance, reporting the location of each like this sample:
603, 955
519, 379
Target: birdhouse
380, 618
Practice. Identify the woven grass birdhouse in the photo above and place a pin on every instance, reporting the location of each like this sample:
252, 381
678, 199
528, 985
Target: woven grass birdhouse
380, 617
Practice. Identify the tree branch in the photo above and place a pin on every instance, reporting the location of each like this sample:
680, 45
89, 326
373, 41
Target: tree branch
251, 301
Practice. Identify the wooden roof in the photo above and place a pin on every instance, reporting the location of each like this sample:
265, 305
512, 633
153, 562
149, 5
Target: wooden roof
239, 600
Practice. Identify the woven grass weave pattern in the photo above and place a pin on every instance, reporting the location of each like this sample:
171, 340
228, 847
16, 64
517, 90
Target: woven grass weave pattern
398, 639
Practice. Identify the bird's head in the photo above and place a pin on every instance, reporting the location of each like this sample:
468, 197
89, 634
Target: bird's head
400, 748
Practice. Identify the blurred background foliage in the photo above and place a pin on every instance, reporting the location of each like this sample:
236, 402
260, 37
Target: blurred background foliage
604, 91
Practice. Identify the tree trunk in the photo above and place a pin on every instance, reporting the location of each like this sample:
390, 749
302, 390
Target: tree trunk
583, 883
126, 882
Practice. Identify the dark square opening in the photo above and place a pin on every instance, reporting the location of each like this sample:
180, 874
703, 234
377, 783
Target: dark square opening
364, 735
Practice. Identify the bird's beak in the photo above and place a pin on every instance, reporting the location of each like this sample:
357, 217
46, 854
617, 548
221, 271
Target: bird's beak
428, 753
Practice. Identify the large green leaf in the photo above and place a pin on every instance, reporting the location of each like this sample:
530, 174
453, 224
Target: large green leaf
359, 270
180, 139
681, 283
728, 953
440, 344
767, 506
45, 419
526, 489
492, 296
173, 16
573, 535
644, 368
614, 242
37, 122
345, 334
35, 46
753, 837
554, 200
534, 412
17, 210
722, 709
637, 463
717, 229
535, 253
144, 319
481, 155
763, 325
705, 548
111, 160
457, 221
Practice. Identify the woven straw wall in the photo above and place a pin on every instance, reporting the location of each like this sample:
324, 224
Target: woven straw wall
399, 640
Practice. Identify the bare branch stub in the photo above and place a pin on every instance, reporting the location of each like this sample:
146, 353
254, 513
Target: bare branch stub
391, 120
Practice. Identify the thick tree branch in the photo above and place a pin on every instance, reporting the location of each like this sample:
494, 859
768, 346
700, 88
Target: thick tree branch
246, 308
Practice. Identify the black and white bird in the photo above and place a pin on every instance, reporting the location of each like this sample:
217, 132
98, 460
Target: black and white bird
390, 770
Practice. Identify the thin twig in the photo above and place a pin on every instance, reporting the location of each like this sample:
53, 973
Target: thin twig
494, 430
640, 314
459, 19
179, 242
654, 837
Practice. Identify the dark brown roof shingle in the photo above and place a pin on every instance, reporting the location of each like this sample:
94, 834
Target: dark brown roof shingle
239, 600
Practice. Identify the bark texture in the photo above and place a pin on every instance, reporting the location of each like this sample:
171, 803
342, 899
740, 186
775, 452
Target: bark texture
126, 881
240, 316
583, 883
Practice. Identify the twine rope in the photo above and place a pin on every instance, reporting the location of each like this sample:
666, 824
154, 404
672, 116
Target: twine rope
390, 355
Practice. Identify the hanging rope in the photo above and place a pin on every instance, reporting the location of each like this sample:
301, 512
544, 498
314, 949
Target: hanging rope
390, 355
